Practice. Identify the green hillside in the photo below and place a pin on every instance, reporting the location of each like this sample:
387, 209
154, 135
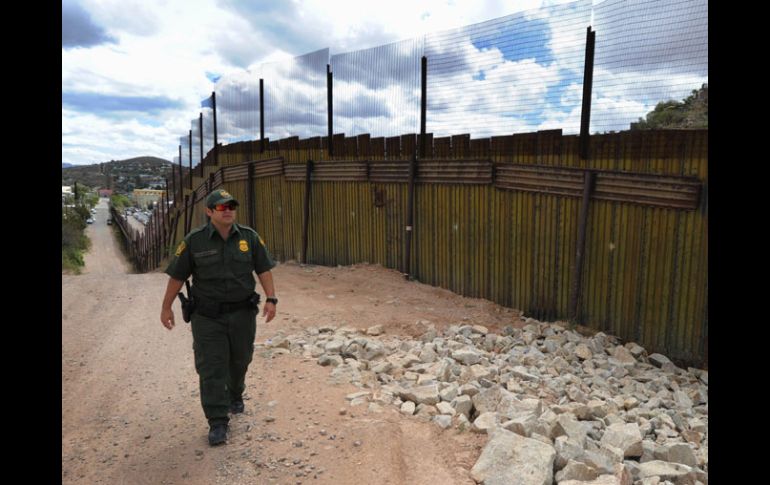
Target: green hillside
692, 112
122, 176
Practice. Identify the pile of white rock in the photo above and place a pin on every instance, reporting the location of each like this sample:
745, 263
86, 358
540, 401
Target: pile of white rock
559, 408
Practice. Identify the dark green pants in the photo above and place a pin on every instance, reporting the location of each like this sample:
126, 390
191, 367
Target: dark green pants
223, 348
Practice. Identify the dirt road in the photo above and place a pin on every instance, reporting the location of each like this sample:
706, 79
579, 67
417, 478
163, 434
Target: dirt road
130, 403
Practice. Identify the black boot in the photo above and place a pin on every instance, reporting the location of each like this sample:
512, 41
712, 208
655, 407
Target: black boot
236, 406
218, 434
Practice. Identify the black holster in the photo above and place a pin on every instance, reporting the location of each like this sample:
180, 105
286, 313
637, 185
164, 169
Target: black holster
188, 304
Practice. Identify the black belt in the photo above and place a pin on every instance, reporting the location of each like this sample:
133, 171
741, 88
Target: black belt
213, 309
231, 307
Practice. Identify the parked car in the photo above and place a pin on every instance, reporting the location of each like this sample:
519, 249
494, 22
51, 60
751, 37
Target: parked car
90, 220
109, 222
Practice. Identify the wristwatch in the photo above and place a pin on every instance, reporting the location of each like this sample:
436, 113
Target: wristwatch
272, 299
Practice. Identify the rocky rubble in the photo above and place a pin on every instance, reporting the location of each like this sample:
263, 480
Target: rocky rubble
559, 407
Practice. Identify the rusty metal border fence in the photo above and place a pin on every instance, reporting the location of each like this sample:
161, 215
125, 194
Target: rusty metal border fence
496, 218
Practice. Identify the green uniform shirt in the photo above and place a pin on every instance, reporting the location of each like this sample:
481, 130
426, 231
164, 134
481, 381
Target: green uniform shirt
221, 270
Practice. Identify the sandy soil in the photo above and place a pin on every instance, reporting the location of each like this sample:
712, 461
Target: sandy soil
130, 404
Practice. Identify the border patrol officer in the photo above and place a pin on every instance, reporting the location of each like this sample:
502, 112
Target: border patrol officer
221, 257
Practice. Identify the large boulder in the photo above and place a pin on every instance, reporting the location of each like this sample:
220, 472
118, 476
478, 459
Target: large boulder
510, 459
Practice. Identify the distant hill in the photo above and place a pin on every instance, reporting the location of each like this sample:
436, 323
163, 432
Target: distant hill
66, 165
123, 176
692, 112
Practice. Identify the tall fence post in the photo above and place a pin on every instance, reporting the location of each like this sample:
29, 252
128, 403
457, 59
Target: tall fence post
329, 108
190, 157
174, 224
214, 108
159, 233
186, 208
181, 189
588, 77
143, 252
156, 238
409, 217
138, 252
149, 238
250, 196
192, 211
423, 104
200, 132
167, 232
261, 116
577, 270
306, 220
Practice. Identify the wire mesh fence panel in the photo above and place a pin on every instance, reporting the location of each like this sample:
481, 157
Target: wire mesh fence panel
377, 90
196, 142
513, 74
238, 107
184, 142
208, 130
646, 52
295, 96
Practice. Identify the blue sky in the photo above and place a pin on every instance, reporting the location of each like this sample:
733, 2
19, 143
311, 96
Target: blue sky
135, 71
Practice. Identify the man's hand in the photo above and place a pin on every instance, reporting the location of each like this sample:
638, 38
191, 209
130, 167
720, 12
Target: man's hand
167, 318
266, 280
269, 311
166, 314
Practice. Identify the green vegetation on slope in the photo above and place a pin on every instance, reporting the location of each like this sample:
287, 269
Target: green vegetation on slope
692, 112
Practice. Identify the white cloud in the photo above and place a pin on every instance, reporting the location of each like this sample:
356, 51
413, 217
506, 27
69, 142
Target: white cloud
166, 52
619, 98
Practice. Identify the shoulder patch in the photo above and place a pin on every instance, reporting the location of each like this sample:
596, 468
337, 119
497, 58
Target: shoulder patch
180, 249
261, 241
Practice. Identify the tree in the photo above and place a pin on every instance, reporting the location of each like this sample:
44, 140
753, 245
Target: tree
119, 201
692, 112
